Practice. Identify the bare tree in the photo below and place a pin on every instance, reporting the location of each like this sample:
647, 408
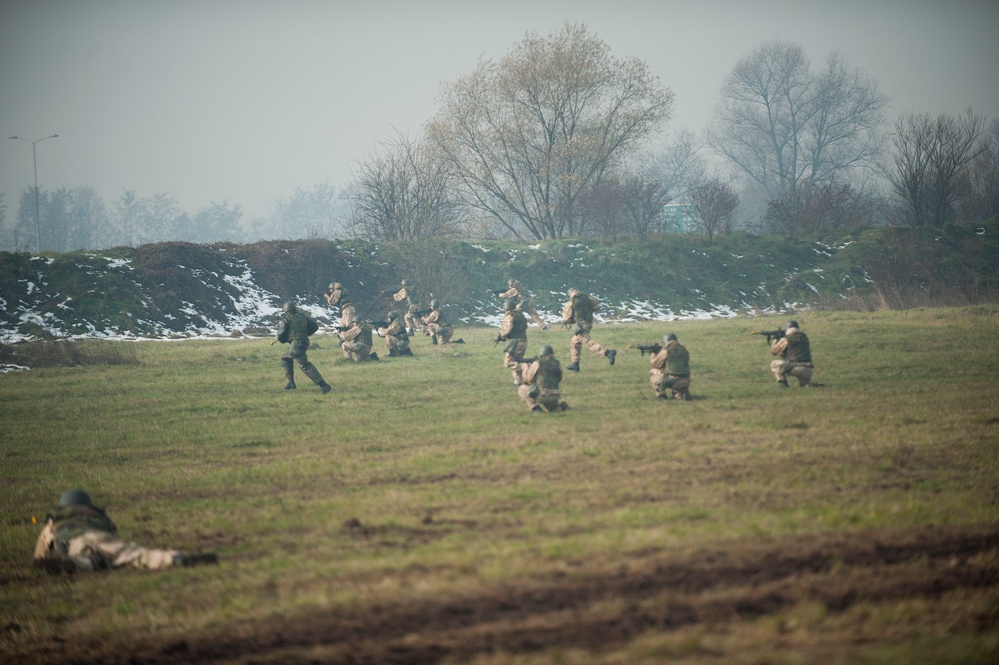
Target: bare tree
978, 198
314, 211
931, 156
827, 208
786, 128
528, 136
716, 203
405, 193
678, 166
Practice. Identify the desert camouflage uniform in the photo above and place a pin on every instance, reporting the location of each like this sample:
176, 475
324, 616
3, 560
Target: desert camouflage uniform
794, 358
357, 341
578, 312
513, 330
84, 538
671, 371
338, 297
525, 301
540, 389
408, 295
396, 339
441, 330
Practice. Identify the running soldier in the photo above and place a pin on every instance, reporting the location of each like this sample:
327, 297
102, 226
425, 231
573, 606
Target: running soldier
578, 312
670, 373
81, 537
437, 325
513, 330
396, 338
794, 357
338, 297
524, 300
542, 377
296, 328
356, 341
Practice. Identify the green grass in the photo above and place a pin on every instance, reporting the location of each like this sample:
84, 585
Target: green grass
458, 487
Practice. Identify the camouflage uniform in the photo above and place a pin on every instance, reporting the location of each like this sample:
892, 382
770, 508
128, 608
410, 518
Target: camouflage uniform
540, 389
578, 312
671, 371
396, 338
794, 357
441, 330
81, 537
407, 294
524, 300
513, 330
296, 327
357, 341
338, 297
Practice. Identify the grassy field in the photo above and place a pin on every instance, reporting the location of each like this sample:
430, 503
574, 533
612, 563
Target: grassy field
420, 513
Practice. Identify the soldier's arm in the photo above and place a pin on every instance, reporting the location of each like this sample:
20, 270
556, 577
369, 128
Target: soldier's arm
779, 346
43, 546
510, 293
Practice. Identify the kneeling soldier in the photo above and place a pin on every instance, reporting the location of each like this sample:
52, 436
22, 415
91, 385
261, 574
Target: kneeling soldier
395, 336
357, 341
671, 369
542, 377
794, 357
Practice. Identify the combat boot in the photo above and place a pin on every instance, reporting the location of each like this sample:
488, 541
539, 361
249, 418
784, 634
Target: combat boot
373, 356
574, 367
190, 560
433, 339
392, 353
611, 355
290, 385
407, 352
325, 387
782, 383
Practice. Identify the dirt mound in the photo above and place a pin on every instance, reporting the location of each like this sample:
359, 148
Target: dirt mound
599, 610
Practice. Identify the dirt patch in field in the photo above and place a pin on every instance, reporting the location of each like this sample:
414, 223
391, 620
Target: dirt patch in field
598, 610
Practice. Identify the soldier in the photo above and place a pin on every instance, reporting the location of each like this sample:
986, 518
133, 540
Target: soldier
578, 312
541, 380
407, 295
395, 336
437, 325
513, 330
296, 327
794, 357
357, 341
671, 369
524, 300
338, 297
81, 537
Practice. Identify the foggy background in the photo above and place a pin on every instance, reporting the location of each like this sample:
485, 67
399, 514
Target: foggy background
241, 101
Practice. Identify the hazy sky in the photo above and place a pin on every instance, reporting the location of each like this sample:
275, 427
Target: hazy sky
243, 100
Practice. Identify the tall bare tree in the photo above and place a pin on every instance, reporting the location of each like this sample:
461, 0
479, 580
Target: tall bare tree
978, 198
529, 135
931, 155
785, 127
405, 192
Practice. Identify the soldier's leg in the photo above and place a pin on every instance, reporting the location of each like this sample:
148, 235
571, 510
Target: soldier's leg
347, 312
444, 335
528, 393
657, 378
116, 553
777, 367
289, 371
575, 352
803, 374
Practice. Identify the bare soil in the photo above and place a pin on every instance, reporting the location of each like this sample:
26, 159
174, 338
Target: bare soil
597, 610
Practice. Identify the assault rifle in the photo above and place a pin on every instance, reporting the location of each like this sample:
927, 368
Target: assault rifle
770, 334
526, 360
499, 338
647, 348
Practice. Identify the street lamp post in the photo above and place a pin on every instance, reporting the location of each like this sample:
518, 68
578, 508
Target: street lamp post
34, 159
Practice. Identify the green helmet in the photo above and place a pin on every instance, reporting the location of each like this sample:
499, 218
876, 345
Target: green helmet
511, 282
435, 303
393, 315
289, 307
334, 285
546, 350
509, 304
405, 282
669, 337
76, 497
791, 323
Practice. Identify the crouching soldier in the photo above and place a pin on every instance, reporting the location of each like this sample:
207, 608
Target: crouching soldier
337, 296
794, 357
542, 377
357, 341
438, 327
395, 336
296, 328
81, 537
670, 373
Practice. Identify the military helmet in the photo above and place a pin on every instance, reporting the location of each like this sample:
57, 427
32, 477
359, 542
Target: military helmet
406, 282
546, 350
393, 315
573, 292
336, 285
509, 304
511, 282
289, 307
435, 303
791, 323
669, 337
354, 319
75, 497
333, 285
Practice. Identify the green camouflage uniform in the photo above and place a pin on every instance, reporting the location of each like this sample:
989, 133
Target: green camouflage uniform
794, 358
296, 327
